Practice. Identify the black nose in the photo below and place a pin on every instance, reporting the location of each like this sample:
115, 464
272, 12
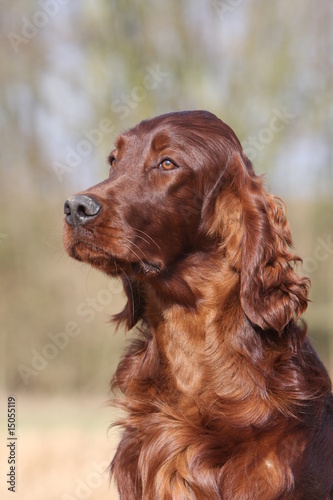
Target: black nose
80, 209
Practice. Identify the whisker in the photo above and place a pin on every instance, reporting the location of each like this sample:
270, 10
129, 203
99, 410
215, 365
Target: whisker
136, 255
131, 288
138, 236
143, 232
143, 239
136, 246
129, 242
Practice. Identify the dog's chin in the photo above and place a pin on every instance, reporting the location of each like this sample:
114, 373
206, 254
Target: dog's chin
91, 254
86, 252
111, 264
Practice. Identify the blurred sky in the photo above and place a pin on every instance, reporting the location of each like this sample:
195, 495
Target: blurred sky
66, 65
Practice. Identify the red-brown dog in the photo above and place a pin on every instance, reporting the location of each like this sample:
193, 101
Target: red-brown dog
225, 397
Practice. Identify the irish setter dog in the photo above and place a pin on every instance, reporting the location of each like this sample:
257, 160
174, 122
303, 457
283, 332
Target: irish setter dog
225, 397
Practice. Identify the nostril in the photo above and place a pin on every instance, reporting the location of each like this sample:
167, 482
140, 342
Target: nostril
67, 208
82, 211
88, 207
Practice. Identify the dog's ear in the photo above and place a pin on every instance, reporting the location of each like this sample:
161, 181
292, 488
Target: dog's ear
255, 239
271, 292
134, 309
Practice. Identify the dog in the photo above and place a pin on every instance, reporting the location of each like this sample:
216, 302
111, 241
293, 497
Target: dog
225, 397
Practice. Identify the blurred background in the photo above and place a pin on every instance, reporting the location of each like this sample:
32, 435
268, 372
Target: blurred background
75, 74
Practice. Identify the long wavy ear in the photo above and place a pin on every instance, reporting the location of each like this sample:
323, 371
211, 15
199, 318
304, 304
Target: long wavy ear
271, 292
134, 309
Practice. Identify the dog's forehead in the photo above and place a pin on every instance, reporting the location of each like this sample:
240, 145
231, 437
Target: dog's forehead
130, 144
146, 142
160, 141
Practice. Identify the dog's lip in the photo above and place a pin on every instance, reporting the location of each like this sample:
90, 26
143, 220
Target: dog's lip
80, 246
150, 268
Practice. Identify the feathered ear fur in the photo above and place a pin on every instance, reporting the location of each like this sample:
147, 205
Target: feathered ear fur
134, 309
271, 292
256, 240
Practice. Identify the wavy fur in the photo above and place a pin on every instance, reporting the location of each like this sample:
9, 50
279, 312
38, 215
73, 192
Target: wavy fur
224, 396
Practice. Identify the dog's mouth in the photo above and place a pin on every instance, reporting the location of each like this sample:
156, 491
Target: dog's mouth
90, 253
86, 251
147, 268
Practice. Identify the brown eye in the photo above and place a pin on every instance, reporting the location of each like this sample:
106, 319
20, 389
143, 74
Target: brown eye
167, 165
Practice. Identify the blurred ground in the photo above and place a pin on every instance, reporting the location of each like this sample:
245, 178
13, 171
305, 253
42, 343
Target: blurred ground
63, 449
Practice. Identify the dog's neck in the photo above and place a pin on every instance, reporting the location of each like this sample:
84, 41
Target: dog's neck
190, 320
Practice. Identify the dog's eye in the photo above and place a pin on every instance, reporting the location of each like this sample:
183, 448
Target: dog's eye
167, 165
112, 162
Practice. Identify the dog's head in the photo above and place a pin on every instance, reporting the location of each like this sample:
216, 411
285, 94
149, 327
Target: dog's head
180, 184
